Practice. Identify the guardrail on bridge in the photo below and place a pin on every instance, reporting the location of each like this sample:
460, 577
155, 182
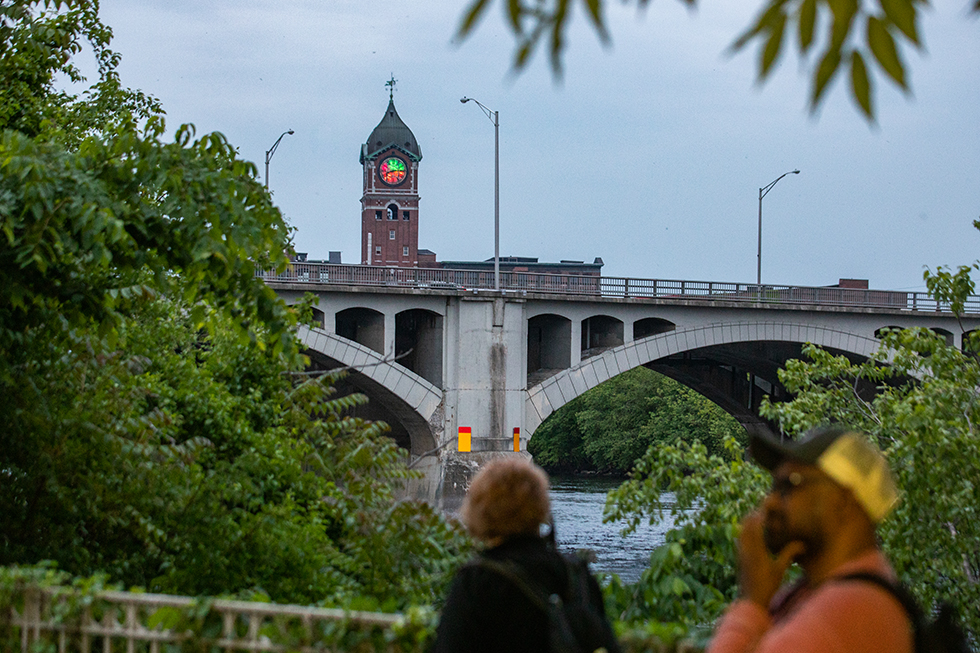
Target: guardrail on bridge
622, 287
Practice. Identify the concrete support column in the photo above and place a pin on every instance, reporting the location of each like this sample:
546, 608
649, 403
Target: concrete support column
329, 315
576, 344
389, 351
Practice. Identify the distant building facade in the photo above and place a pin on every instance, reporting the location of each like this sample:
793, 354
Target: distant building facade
527, 264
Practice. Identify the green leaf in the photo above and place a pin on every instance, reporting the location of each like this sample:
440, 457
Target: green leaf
825, 71
520, 60
594, 8
679, 587
770, 53
903, 15
844, 12
764, 24
164, 618
860, 85
883, 47
807, 20
514, 13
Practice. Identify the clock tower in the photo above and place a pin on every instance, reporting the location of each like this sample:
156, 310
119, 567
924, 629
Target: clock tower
390, 203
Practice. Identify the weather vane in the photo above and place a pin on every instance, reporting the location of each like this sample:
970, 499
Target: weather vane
390, 85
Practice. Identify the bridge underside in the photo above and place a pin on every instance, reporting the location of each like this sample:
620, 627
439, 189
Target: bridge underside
408, 428
736, 376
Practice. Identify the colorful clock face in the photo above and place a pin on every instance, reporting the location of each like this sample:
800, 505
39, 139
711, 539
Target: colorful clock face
392, 171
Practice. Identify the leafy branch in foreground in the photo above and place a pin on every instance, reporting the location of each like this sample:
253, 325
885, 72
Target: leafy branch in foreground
924, 415
854, 34
151, 431
691, 576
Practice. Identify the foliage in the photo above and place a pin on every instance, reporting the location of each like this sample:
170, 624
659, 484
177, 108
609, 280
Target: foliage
155, 427
924, 416
854, 33
691, 576
200, 622
196, 626
611, 426
918, 396
188, 463
37, 43
95, 211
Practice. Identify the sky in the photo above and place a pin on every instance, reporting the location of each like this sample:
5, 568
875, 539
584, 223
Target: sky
649, 154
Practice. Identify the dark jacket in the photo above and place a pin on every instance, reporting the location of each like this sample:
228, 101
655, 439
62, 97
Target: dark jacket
486, 612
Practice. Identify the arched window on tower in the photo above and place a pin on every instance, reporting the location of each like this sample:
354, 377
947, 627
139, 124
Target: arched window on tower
392, 212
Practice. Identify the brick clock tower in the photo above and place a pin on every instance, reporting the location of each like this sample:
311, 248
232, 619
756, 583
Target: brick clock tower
390, 203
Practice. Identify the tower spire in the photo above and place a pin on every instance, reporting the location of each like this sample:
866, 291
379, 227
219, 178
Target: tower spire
390, 85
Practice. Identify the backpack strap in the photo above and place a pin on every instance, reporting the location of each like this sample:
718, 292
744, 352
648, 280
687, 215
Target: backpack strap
898, 591
902, 595
513, 573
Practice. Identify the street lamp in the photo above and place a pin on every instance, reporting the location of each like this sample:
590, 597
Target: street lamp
494, 118
762, 193
270, 152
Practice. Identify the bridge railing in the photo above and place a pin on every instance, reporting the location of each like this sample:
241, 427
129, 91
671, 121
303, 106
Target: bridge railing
625, 287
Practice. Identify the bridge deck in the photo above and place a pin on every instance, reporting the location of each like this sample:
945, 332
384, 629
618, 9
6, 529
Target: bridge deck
569, 286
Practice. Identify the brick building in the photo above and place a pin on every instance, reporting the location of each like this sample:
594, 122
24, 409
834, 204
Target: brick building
390, 203
390, 207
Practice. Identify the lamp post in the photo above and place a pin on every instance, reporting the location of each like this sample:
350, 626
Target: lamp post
270, 152
494, 118
762, 193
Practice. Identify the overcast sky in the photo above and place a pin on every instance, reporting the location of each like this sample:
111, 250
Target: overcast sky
649, 155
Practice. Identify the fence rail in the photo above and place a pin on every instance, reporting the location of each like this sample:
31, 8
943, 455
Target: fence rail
123, 621
622, 287
48, 618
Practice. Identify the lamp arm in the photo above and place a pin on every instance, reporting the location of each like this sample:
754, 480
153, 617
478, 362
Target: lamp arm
765, 189
488, 112
272, 150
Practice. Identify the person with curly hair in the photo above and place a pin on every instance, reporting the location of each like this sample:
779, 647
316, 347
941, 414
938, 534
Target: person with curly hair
506, 509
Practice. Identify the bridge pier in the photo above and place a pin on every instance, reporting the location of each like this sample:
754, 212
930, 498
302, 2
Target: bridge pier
487, 376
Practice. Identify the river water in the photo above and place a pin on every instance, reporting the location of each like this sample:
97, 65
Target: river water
577, 505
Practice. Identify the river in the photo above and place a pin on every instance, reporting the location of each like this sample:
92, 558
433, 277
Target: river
577, 504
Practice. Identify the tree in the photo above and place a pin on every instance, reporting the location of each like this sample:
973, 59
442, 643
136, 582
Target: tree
855, 33
189, 463
612, 425
917, 395
96, 209
692, 576
924, 416
156, 424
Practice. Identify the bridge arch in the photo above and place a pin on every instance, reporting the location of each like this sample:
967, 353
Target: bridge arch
549, 340
415, 402
654, 351
601, 333
651, 326
364, 326
418, 342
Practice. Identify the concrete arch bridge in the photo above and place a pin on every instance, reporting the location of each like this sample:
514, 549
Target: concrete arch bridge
440, 354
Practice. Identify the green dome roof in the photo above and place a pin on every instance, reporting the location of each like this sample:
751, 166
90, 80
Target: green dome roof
391, 132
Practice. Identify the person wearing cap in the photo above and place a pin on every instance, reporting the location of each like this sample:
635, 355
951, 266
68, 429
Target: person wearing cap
830, 490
